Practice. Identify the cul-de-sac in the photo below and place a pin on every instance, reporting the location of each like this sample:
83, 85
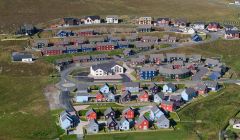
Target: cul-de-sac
120, 70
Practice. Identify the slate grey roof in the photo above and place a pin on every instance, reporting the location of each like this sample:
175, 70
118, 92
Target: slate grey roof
55, 48
82, 94
200, 86
140, 44
167, 102
155, 109
96, 39
161, 119
104, 66
65, 115
211, 83
165, 70
93, 17
171, 85
232, 32
148, 69
110, 120
82, 87
156, 56
166, 19
189, 90
175, 97
212, 61
144, 27
105, 44
18, 56
90, 111
108, 110
112, 16
160, 95
93, 123
152, 38
123, 42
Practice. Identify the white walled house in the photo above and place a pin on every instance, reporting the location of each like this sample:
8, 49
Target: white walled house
92, 20
188, 30
22, 57
198, 26
112, 19
106, 69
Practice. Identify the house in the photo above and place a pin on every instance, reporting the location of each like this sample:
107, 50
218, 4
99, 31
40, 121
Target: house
123, 44
82, 97
144, 46
188, 30
110, 97
128, 52
27, 29
214, 76
99, 57
198, 25
144, 21
112, 19
124, 124
167, 106
109, 113
235, 123
81, 59
76, 41
87, 47
131, 38
83, 88
232, 34
70, 49
169, 87
180, 73
61, 43
105, 46
196, 38
142, 123
100, 97
40, 43
143, 96
163, 122
92, 20
93, 127
91, 114
213, 26
157, 58
144, 28
114, 39
212, 62
138, 61
201, 88
125, 97
188, 94
105, 69
176, 99
147, 73
182, 23
177, 64
212, 85
112, 124
153, 88
172, 39
230, 27
65, 120
86, 32
131, 87
105, 89
53, 50
155, 113
175, 57
128, 113
22, 57
151, 39
158, 97
163, 21
66, 22
64, 33
237, 2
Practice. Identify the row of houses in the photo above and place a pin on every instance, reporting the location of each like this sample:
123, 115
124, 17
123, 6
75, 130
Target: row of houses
127, 120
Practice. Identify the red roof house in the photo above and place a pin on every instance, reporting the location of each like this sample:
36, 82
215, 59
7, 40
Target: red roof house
213, 26
143, 96
105, 46
91, 114
128, 113
142, 123
167, 105
100, 97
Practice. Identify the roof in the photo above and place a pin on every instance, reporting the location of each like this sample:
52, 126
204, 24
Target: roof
88, 46
189, 90
166, 70
93, 123
157, 56
108, 110
144, 26
105, 44
148, 69
160, 95
18, 56
82, 94
200, 86
93, 17
126, 110
211, 83
140, 44
141, 119
112, 16
167, 19
171, 85
90, 111
123, 42
110, 120
161, 119
153, 38
96, 39
104, 66
131, 84
232, 32
123, 119
167, 102
82, 87
175, 97
125, 94
65, 115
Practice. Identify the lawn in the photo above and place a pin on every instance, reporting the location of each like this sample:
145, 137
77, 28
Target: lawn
24, 112
214, 112
15, 12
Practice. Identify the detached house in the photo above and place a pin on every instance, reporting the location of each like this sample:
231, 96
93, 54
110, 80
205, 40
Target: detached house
91, 114
65, 120
198, 25
128, 113
100, 97
82, 97
112, 124
176, 99
125, 97
201, 89
232, 34
163, 122
167, 105
212, 85
131, 86
124, 124
109, 113
151, 39
41, 43
158, 97
144, 20
155, 113
105, 69
154, 88
70, 22
112, 19
92, 20
142, 123
93, 127
169, 87
143, 96
105, 89
188, 94
22, 57
213, 26
163, 21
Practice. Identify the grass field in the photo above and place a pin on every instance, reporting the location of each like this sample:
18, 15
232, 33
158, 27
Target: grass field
18, 12
24, 112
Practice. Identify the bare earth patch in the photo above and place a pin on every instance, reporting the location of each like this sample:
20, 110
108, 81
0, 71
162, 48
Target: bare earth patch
52, 95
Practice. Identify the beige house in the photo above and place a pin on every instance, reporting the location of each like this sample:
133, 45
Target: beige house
144, 21
106, 69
